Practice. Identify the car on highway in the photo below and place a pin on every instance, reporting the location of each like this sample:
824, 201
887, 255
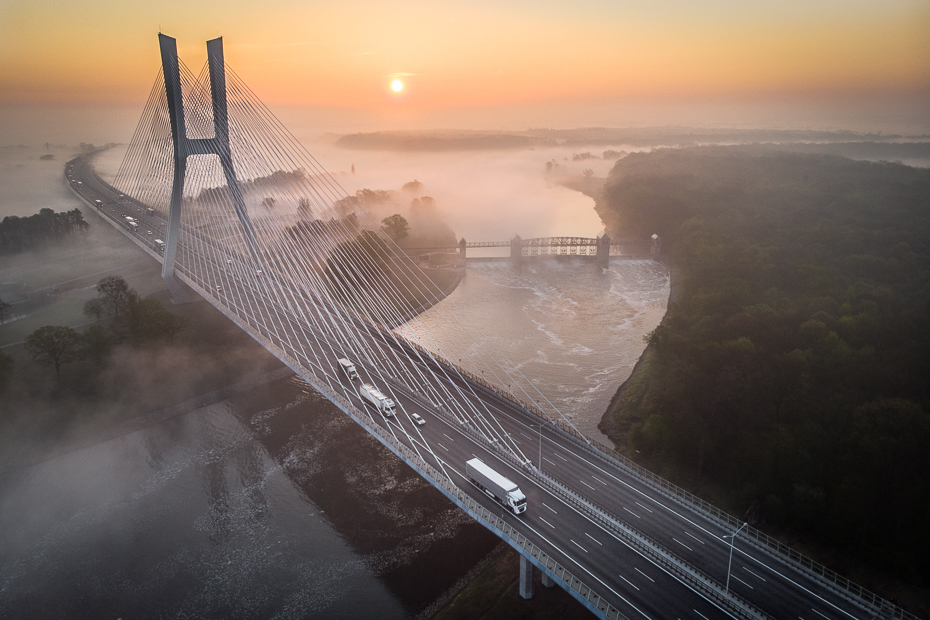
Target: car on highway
417, 419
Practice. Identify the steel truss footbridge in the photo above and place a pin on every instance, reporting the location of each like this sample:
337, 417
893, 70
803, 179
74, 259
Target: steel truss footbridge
223, 187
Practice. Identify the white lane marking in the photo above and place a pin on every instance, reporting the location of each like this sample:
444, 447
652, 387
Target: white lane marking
560, 456
525, 435
594, 539
449, 438
599, 480
607, 532
632, 513
548, 506
820, 614
546, 522
700, 614
442, 446
682, 544
742, 582
644, 575
593, 576
628, 581
548, 461
516, 441
695, 537
577, 545
586, 484
641, 506
753, 574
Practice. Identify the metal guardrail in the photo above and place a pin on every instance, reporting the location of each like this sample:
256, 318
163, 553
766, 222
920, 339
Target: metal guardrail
660, 555
568, 581
832, 579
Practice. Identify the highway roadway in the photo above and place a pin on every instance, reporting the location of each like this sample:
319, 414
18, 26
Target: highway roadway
652, 551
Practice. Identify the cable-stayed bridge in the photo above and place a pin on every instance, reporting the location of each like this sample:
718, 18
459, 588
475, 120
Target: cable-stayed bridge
222, 186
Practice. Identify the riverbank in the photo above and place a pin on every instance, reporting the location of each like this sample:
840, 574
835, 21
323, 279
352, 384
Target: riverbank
634, 388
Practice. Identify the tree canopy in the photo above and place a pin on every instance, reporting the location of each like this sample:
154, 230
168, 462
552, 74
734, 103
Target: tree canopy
23, 233
791, 366
54, 345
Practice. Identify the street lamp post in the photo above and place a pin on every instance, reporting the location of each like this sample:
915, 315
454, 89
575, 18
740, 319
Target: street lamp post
730, 564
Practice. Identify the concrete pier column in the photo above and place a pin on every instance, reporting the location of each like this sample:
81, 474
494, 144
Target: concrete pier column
603, 249
516, 248
526, 578
462, 247
547, 581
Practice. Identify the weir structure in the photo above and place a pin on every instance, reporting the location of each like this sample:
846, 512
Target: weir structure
314, 294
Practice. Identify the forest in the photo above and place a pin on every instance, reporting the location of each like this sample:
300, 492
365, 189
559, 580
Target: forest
24, 233
791, 367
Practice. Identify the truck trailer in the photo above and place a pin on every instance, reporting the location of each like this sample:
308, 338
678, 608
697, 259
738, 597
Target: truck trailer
377, 398
348, 368
497, 486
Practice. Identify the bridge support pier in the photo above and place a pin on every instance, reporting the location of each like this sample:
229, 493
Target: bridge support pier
462, 248
547, 581
526, 578
516, 248
603, 250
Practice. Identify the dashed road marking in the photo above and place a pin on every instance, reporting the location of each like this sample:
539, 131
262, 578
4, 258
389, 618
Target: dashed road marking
442, 446
548, 461
641, 506
629, 582
546, 522
701, 615
695, 537
594, 539
682, 544
586, 484
753, 574
577, 545
632, 513
560, 456
820, 614
549, 507
599, 480
449, 438
742, 582
644, 575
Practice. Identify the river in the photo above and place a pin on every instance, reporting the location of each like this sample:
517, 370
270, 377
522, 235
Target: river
274, 504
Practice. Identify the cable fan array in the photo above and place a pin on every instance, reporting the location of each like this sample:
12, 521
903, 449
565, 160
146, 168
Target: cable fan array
327, 282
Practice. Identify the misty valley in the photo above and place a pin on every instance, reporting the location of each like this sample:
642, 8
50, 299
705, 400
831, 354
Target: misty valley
770, 356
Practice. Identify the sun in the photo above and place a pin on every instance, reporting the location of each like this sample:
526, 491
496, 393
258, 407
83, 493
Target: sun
397, 86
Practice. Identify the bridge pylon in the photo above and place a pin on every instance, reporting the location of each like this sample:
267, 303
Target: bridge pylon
183, 146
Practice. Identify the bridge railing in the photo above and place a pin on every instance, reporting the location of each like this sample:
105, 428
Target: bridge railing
833, 579
495, 523
670, 561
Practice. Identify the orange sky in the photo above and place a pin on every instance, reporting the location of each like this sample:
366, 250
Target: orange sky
472, 53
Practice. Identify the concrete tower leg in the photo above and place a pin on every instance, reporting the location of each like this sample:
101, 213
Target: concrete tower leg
169, 63
526, 578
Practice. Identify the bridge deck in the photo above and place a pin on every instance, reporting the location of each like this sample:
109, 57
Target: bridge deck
624, 543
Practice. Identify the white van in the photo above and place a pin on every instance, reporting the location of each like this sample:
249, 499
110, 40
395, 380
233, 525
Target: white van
160, 244
348, 368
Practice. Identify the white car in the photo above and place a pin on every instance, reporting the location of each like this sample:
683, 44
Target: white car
417, 419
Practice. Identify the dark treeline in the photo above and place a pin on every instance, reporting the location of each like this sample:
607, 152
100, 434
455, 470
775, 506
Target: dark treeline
791, 368
24, 233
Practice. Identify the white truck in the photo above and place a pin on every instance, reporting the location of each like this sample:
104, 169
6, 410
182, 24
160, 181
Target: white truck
160, 244
377, 398
497, 486
348, 368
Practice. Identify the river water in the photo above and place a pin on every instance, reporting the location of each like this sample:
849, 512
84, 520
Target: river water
274, 504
